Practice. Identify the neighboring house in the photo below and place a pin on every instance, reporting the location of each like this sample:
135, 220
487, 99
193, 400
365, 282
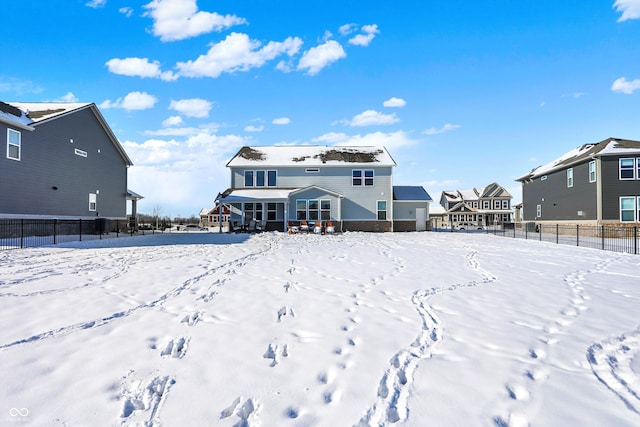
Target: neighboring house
210, 217
478, 207
61, 161
351, 186
591, 184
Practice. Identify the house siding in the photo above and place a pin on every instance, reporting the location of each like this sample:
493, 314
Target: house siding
613, 187
48, 160
359, 202
559, 202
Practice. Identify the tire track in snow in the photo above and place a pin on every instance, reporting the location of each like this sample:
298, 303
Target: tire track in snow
392, 404
65, 330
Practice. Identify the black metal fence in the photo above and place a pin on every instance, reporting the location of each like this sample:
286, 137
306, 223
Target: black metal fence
605, 237
25, 233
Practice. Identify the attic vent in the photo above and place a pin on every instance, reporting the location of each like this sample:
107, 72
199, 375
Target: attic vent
543, 178
80, 153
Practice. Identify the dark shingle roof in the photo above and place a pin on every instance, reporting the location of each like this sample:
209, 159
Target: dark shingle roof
410, 193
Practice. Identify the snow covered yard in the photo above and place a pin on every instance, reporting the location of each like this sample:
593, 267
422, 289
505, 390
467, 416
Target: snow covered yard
413, 329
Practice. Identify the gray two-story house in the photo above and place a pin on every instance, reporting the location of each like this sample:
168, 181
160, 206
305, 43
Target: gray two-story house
350, 186
61, 160
592, 184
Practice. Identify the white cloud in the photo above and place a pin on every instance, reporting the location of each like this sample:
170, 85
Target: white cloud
446, 128
575, 95
372, 118
369, 32
181, 175
180, 19
19, 86
237, 53
194, 107
126, 11
132, 101
96, 3
252, 128
624, 86
281, 121
173, 131
347, 29
394, 102
139, 67
69, 97
630, 9
172, 121
391, 140
316, 58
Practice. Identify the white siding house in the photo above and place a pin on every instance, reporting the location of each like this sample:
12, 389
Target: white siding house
279, 186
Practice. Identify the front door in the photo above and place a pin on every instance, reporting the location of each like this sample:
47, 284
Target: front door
421, 219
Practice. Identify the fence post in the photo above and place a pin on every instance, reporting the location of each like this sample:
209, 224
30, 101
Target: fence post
22, 233
80, 229
577, 235
526, 231
635, 240
557, 228
55, 230
117, 228
602, 233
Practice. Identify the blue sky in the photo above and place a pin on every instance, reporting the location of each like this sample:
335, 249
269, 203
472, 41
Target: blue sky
461, 93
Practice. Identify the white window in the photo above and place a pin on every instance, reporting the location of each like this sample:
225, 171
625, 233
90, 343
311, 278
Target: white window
486, 204
325, 210
592, 171
570, 177
272, 211
496, 204
628, 209
361, 177
382, 210
260, 179
93, 198
538, 211
13, 144
301, 210
627, 169
505, 204
248, 178
272, 178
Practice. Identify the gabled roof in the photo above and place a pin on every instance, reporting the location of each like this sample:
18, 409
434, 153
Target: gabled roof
37, 113
494, 190
462, 207
300, 190
405, 193
311, 155
608, 147
14, 116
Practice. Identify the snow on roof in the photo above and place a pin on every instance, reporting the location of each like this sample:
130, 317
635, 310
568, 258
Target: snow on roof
14, 115
255, 194
410, 193
610, 146
39, 111
311, 155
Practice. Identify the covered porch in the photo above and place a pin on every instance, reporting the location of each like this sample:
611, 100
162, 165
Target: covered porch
254, 210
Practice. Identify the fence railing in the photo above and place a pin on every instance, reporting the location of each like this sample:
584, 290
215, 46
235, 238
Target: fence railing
25, 233
605, 237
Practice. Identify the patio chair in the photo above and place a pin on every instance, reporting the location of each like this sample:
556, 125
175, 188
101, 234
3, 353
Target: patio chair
304, 227
292, 228
328, 227
317, 228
